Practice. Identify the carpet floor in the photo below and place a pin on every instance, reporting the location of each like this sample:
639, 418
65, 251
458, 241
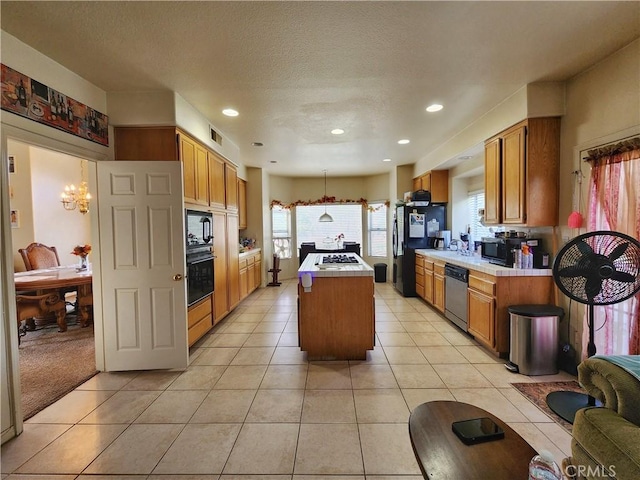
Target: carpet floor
537, 394
52, 364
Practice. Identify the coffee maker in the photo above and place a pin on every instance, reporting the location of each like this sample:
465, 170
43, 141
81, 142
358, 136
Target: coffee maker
443, 239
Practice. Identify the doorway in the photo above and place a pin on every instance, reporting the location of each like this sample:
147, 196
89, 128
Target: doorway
51, 363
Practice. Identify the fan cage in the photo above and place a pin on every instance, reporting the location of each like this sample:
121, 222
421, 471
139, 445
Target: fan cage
603, 244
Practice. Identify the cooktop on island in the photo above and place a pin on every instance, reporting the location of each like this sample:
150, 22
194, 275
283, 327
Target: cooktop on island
338, 258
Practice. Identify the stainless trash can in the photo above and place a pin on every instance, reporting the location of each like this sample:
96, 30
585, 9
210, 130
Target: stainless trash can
534, 339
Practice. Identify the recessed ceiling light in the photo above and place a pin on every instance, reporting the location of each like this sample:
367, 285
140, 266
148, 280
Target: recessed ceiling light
464, 157
337, 131
404, 141
436, 107
257, 144
386, 160
230, 112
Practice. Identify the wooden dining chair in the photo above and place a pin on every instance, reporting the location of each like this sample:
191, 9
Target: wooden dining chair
37, 256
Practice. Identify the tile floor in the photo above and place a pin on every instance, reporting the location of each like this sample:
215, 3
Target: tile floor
251, 404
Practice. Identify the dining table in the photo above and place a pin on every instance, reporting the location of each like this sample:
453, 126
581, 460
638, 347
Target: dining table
38, 282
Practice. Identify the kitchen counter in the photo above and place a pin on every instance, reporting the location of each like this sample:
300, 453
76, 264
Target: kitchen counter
247, 253
336, 318
481, 265
313, 265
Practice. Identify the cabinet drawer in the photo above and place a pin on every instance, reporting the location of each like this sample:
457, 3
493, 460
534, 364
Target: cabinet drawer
420, 279
428, 265
438, 268
199, 311
243, 263
199, 329
419, 261
482, 285
251, 260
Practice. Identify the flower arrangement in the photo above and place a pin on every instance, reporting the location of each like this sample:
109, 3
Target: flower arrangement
82, 250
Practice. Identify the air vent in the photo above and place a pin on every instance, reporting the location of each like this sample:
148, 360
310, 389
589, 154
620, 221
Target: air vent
215, 136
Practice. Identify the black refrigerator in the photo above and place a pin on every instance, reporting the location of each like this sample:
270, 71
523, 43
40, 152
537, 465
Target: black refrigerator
414, 227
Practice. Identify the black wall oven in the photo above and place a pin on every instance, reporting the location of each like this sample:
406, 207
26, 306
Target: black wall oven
200, 276
199, 241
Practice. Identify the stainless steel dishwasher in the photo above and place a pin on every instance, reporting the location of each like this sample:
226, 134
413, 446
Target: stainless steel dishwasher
455, 299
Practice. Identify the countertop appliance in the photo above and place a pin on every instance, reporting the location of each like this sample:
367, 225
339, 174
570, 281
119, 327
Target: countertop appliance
443, 239
414, 227
500, 251
456, 282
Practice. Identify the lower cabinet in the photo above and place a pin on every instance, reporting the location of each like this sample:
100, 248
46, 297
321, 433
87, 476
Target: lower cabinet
438, 286
250, 272
481, 317
428, 281
419, 275
200, 319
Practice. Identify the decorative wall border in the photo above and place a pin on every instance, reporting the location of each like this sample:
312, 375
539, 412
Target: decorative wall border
31, 99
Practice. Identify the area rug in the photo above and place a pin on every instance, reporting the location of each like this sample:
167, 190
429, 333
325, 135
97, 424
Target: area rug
537, 393
54, 363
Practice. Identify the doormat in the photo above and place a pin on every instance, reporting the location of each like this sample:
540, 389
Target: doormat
537, 393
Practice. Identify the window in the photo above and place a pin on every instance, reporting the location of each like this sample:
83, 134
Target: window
281, 231
377, 220
475, 203
347, 220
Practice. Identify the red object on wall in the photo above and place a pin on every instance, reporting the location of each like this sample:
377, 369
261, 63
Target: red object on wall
575, 220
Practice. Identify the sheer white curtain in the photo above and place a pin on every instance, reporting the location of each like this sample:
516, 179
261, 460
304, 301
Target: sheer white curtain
614, 204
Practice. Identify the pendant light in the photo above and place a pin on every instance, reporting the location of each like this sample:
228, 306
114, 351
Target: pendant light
576, 219
325, 217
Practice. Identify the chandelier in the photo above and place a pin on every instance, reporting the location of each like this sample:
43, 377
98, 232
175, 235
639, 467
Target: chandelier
79, 197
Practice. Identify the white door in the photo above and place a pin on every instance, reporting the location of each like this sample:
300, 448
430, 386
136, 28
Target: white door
142, 265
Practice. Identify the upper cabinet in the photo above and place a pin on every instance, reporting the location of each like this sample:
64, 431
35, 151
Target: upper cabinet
209, 180
436, 182
242, 204
231, 186
521, 174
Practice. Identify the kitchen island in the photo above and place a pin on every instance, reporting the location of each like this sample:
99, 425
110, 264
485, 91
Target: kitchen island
336, 313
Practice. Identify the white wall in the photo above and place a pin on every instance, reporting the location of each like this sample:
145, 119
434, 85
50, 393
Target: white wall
603, 104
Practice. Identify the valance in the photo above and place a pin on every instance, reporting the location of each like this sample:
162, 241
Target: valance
613, 149
325, 199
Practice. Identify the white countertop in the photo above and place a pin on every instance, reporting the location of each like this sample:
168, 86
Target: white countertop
246, 253
312, 264
480, 265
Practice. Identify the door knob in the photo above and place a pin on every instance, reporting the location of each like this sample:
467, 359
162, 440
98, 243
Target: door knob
177, 277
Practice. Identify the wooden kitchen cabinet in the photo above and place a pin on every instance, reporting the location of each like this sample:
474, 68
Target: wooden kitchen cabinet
437, 182
242, 204
527, 156
195, 171
200, 320
438, 286
233, 261
216, 181
244, 278
419, 266
481, 317
428, 281
257, 279
231, 186
220, 285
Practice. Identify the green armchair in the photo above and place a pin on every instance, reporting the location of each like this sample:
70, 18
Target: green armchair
606, 440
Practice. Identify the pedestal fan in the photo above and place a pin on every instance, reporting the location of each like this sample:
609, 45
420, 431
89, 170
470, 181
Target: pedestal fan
596, 268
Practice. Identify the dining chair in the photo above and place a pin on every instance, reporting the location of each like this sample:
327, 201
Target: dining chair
37, 256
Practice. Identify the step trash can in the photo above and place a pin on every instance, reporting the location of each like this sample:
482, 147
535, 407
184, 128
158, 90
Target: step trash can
534, 339
380, 272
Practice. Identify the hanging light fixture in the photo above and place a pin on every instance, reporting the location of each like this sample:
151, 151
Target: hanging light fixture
325, 217
80, 197
576, 219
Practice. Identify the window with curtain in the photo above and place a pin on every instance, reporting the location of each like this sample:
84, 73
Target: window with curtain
281, 231
347, 220
475, 202
377, 230
614, 204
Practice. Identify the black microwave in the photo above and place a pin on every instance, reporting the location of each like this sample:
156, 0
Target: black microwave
501, 251
199, 231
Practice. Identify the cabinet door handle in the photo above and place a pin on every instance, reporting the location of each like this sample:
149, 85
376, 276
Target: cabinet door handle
177, 277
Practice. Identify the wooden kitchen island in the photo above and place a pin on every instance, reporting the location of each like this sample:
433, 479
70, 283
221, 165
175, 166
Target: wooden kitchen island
336, 313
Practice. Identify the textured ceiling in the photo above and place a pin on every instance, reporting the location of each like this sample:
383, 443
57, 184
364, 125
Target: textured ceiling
296, 70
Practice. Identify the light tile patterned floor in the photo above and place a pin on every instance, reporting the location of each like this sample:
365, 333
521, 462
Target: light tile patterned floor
251, 404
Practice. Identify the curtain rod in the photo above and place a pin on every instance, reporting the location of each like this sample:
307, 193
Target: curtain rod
612, 148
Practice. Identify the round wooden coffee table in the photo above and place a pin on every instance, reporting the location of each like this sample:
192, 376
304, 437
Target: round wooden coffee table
442, 455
